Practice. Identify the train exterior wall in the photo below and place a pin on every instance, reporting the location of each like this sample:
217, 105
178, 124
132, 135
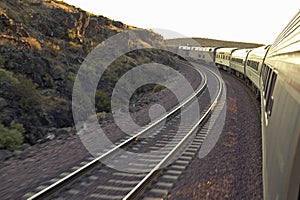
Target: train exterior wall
203, 54
280, 104
223, 56
254, 64
238, 60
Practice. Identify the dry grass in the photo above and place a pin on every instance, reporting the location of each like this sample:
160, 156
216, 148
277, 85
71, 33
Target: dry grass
53, 46
74, 45
34, 43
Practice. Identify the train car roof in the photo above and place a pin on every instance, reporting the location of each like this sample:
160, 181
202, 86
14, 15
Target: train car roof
259, 51
208, 48
240, 52
284, 55
225, 50
289, 39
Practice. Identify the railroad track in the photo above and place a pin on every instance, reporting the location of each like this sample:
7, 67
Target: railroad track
157, 148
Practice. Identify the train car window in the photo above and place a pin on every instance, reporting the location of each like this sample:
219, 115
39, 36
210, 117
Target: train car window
266, 73
253, 64
263, 73
270, 98
267, 81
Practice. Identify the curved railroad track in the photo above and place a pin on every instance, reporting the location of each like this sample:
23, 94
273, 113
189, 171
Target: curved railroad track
164, 143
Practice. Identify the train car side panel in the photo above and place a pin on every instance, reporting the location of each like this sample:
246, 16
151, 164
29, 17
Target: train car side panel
254, 64
223, 56
280, 105
238, 61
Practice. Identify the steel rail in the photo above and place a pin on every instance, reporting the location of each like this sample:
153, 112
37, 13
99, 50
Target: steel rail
134, 192
90, 165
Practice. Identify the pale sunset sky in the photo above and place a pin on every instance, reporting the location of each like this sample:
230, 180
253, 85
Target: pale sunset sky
258, 21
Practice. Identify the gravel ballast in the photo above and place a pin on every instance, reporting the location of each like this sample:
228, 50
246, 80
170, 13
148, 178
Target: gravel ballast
233, 168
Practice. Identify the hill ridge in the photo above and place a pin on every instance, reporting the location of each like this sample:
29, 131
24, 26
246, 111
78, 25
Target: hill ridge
207, 42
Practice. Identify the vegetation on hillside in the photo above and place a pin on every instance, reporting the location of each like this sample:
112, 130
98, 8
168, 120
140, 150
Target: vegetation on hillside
42, 45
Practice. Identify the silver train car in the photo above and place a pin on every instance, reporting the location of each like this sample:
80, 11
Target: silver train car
238, 62
280, 109
205, 55
223, 56
273, 72
253, 67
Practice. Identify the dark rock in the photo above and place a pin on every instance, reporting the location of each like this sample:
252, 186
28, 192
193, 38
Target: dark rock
18, 154
26, 146
5, 21
5, 154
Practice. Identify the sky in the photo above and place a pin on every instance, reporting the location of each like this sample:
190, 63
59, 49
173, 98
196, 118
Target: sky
257, 21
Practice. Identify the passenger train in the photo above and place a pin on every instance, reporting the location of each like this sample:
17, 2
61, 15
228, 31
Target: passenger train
273, 72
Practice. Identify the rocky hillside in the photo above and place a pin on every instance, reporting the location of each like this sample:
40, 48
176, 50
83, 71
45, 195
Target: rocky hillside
42, 44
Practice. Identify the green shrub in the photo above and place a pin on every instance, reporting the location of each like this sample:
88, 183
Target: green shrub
19, 88
10, 64
3, 103
3, 115
1, 61
29, 98
11, 138
158, 88
26, 20
102, 102
101, 115
23, 98
70, 82
8, 84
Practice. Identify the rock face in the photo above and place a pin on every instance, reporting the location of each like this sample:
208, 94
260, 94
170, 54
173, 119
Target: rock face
42, 44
